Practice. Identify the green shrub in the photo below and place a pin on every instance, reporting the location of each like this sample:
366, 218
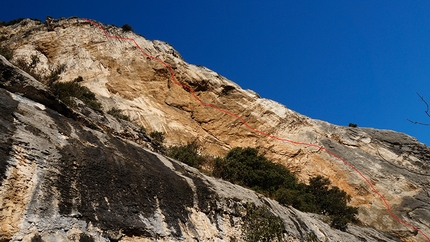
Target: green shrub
245, 167
332, 201
157, 136
117, 113
127, 28
297, 198
262, 225
187, 154
66, 90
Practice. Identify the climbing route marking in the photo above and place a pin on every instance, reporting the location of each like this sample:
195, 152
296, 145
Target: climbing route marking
243, 121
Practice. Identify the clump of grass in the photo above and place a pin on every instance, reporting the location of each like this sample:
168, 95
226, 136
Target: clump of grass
117, 113
67, 90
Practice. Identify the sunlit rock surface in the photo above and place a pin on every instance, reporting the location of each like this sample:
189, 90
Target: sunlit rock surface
72, 172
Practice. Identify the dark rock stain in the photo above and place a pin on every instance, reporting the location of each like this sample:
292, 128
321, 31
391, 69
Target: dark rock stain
7, 129
112, 186
207, 200
206, 197
227, 89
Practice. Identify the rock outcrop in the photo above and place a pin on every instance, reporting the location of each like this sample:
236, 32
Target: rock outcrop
82, 175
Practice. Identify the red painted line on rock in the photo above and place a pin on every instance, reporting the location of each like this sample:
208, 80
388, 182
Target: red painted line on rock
243, 121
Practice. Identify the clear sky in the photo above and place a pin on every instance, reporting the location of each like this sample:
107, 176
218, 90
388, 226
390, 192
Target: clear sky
339, 61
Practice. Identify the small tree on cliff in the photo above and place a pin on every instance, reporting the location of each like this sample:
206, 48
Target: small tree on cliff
127, 28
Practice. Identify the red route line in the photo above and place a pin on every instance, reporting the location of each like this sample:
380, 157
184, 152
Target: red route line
243, 121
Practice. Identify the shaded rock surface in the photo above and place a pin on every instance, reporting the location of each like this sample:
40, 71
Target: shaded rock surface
69, 173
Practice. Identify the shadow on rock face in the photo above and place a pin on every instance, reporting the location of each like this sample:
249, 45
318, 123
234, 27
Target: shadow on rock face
120, 187
7, 129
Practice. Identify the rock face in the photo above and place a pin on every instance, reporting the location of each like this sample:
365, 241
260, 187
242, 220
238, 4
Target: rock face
65, 181
83, 175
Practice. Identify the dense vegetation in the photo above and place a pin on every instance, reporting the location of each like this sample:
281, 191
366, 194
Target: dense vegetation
187, 153
67, 90
243, 166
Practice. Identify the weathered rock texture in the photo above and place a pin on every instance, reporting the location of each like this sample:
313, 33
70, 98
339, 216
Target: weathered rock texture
83, 175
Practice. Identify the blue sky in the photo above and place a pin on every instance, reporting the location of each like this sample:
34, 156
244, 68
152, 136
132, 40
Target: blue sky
340, 61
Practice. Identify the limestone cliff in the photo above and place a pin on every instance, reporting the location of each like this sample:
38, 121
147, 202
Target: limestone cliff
70, 173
